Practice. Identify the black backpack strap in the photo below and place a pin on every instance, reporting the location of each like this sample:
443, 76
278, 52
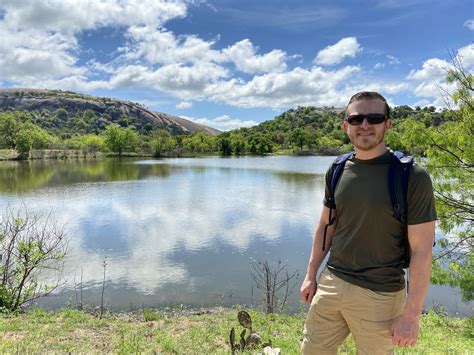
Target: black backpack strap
335, 172
398, 176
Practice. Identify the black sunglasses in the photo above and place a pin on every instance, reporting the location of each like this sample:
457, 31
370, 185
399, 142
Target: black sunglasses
372, 118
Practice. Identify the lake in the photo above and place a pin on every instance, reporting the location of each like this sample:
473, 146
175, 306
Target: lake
179, 231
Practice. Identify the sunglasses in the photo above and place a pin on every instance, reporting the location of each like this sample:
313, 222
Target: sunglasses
372, 118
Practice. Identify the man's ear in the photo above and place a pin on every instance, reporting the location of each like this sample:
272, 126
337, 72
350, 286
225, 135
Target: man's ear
388, 124
344, 125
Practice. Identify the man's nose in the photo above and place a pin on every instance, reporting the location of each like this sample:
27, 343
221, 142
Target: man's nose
365, 124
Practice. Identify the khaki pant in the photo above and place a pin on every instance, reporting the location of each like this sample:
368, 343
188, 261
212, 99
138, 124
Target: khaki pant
340, 308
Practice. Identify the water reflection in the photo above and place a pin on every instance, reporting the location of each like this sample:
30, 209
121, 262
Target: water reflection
23, 177
174, 231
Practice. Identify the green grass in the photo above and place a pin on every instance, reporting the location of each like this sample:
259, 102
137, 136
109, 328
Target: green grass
69, 330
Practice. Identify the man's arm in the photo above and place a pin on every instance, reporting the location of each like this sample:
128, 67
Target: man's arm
308, 288
405, 329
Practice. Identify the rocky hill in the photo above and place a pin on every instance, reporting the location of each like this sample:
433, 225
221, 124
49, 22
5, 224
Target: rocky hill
113, 110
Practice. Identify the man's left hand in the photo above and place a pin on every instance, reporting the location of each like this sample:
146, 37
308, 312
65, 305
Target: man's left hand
404, 331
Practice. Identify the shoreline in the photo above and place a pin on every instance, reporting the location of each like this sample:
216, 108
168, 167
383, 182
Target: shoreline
205, 332
74, 154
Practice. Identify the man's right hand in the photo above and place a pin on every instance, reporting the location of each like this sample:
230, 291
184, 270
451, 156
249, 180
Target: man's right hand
307, 290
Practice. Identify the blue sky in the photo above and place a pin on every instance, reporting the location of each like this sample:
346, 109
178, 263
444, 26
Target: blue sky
235, 63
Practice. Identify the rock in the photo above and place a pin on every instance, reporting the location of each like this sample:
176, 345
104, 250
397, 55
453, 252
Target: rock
270, 351
74, 103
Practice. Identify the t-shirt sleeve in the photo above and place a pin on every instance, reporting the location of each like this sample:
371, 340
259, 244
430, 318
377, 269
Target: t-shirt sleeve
421, 203
326, 201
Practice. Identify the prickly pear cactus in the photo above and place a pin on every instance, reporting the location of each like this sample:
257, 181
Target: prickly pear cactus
232, 340
245, 320
253, 340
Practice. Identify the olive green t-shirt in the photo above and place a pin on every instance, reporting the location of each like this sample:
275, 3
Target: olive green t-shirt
368, 245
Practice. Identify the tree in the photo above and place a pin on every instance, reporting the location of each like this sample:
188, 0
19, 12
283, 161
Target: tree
23, 144
29, 246
238, 144
200, 142
449, 150
92, 143
162, 142
299, 137
274, 282
40, 139
89, 116
118, 139
225, 147
8, 130
260, 144
131, 139
62, 114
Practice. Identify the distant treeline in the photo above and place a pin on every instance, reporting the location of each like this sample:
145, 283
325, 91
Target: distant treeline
304, 130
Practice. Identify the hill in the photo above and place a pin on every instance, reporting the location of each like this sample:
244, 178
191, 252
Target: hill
66, 106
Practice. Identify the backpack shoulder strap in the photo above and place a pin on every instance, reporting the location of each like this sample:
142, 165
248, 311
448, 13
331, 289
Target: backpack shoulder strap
335, 172
398, 175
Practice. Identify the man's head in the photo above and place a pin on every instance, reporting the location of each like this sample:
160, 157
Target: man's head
369, 95
366, 120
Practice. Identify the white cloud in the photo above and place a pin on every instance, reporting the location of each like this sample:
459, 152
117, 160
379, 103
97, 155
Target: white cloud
39, 38
70, 16
436, 91
243, 54
74, 82
430, 80
433, 69
422, 103
223, 123
278, 90
466, 56
393, 60
346, 47
469, 24
184, 81
163, 47
184, 105
40, 47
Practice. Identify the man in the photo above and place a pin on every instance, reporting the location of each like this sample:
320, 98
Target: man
362, 289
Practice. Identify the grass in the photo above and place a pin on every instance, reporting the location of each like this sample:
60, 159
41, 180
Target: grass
206, 332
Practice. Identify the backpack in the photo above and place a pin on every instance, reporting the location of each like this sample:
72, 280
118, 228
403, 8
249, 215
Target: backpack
399, 170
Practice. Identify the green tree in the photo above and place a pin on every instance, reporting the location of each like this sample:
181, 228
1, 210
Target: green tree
162, 143
326, 145
40, 139
225, 147
8, 129
299, 137
199, 142
29, 246
260, 144
89, 116
23, 144
449, 150
119, 140
92, 143
61, 114
131, 139
238, 145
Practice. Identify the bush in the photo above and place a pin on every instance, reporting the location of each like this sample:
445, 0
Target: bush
29, 245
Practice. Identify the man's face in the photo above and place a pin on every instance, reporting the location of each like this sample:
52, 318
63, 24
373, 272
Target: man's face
366, 136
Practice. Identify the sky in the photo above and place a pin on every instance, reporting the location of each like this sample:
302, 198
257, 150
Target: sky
236, 63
